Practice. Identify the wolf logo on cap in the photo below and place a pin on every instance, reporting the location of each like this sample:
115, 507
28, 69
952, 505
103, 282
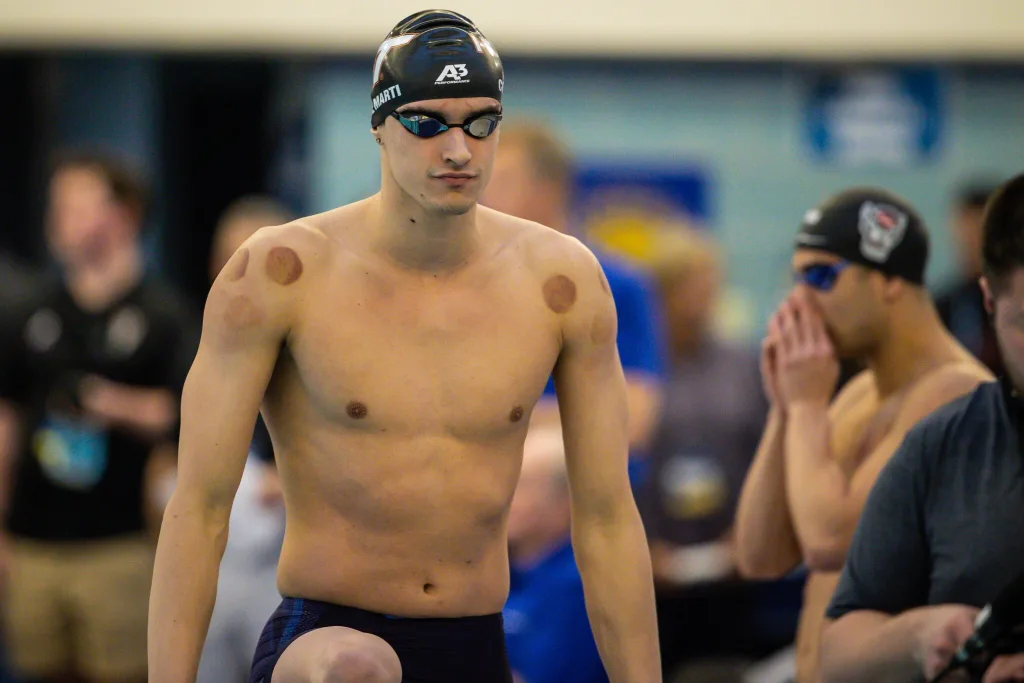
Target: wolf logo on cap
881, 228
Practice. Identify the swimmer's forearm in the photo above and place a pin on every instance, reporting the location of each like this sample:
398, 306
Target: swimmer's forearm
766, 544
815, 486
184, 589
615, 565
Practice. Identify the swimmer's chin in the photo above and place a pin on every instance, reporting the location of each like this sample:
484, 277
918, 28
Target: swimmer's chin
454, 208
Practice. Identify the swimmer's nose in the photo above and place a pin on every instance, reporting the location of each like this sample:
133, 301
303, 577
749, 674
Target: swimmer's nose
456, 151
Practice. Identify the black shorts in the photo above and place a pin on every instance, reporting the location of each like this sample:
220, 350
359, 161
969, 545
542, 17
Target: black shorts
456, 650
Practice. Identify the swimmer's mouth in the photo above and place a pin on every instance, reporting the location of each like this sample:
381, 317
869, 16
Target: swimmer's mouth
456, 179
455, 176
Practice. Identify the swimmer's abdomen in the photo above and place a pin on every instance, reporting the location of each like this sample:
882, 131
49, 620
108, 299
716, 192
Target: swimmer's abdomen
416, 530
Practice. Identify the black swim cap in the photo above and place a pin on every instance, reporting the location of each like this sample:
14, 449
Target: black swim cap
433, 55
870, 227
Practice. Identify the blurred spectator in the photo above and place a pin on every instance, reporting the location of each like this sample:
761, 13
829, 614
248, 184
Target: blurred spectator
859, 262
961, 305
247, 585
942, 532
547, 632
711, 419
94, 371
532, 179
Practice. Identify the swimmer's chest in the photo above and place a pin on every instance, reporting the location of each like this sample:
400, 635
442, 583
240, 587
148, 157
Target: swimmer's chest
466, 351
859, 429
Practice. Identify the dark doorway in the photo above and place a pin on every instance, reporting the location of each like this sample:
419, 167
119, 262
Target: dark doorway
216, 147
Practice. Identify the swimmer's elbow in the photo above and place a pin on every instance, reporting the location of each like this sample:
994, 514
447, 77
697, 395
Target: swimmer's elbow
824, 556
758, 567
201, 508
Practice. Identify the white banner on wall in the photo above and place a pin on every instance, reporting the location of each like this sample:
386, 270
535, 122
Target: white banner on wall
980, 29
875, 117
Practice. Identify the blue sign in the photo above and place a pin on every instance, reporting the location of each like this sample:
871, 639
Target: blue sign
671, 190
875, 117
621, 205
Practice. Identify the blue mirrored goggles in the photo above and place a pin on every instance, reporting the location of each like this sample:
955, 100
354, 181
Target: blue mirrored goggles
423, 126
821, 276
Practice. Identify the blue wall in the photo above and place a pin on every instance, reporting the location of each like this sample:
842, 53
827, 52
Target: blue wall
743, 124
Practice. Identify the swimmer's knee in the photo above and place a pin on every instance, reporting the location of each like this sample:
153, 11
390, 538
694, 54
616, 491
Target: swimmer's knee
366, 659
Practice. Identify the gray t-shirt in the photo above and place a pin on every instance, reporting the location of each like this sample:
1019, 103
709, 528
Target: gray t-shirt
944, 523
711, 421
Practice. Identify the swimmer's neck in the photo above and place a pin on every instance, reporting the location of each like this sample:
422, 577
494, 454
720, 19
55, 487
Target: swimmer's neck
416, 239
915, 347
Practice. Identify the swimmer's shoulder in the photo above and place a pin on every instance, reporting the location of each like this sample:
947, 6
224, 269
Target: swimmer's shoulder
547, 252
858, 389
257, 290
943, 385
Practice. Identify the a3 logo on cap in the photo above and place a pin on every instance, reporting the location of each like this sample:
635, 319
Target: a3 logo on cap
882, 227
453, 73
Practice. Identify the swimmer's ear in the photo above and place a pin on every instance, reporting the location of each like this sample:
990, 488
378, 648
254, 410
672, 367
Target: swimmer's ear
986, 291
376, 135
892, 288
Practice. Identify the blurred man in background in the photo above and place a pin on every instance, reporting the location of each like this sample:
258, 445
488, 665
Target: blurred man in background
548, 634
247, 585
94, 371
943, 531
860, 260
711, 420
532, 179
962, 305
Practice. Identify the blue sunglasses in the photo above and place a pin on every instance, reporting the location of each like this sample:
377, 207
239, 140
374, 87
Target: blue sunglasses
821, 276
423, 126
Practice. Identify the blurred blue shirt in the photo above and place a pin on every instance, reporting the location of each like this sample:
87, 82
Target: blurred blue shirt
546, 627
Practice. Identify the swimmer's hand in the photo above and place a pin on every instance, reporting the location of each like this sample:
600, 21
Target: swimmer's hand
808, 369
770, 362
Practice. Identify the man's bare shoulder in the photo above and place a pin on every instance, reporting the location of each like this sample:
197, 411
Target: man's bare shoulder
943, 385
548, 252
859, 388
257, 288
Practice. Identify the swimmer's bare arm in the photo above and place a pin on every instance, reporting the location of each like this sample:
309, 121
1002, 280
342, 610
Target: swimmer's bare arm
643, 396
766, 543
826, 501
245, 321
607, 534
